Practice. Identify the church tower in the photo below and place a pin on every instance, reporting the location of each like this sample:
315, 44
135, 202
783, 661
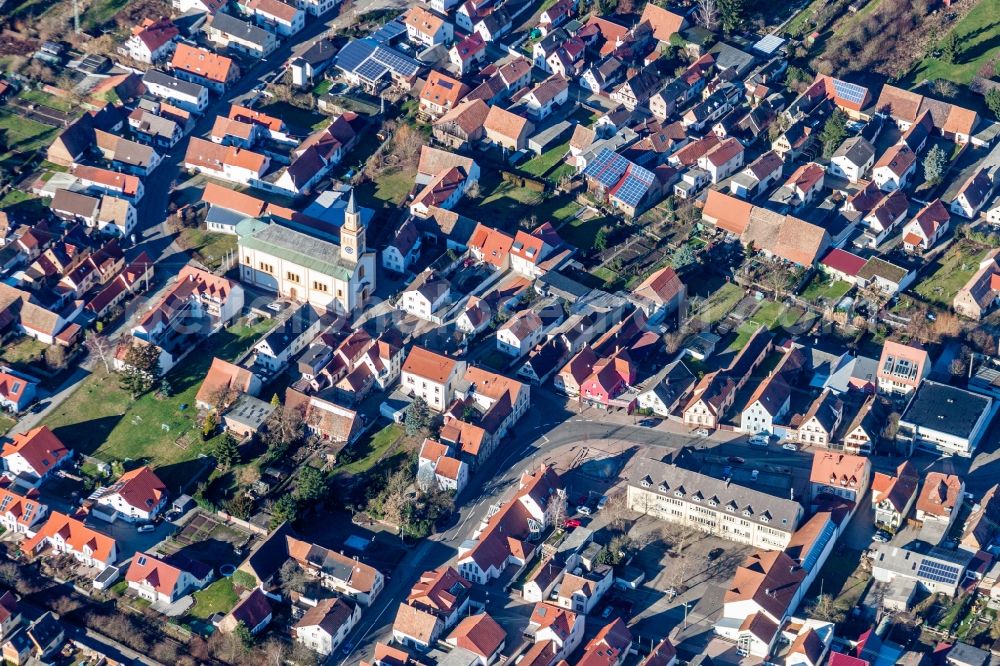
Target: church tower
352, 234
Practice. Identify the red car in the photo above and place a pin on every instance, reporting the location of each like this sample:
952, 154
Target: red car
571, 523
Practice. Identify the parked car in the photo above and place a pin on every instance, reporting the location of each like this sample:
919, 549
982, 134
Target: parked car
149, 527
790, 446
715, 553
603, 502
650, 423
758, 440
881, 536
702, 432
583, 510
571, 523
736, 460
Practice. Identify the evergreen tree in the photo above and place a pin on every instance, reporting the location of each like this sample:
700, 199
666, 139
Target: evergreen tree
286, 509
227, 452
935, 164
733, 14
834, 132
310, 484
949, 47
993, 101
418, 417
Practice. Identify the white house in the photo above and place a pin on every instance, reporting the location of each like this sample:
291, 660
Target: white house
974, 194
723, 160
325, 625
768, 404
894, 168
519, 334
277, 16
166, 580
64, 534
582, 592
21, 514
562, 627
151, 41
430, 376
186, 95
138, 495
425, 296
853, 159
403, 249
36, 453
426, 27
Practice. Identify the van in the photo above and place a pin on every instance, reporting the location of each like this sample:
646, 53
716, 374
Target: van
146, 528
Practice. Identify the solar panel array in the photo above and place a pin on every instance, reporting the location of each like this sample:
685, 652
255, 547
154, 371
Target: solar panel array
627, 182
769, 44
370, 60
635, 185
607, 168
849, 91
938, 572
389, 32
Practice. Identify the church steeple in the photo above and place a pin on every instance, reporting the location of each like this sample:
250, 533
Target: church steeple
352, 234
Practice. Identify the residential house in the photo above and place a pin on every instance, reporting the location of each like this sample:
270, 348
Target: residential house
324, 419
819, 423
664, 22
153, 129
801, 187
662, 393
722, 160
344, 575
196, 65
463, 125
601, 75
416, 628
940, 499
186, 95
853, 159
973, 195
129, 156
521, 333
582, 592
231, 163
982, 292
403, 249
151, 41
561, 628
637, 89
894, 169
893, 496
66, 534
137, 496
308, 68
323, 627
10, 615
468, 54
541, 101
864, 429
887, 214
481, 635
430, 376
840, 474
902, 368
906, 108
243, 37
758, 177
165, 580
21, 514
425, 296
660, 295
610, 647
427, 28
277, 16
253, 611
768, 404
927, 227
440, 94
35, 454
17, 391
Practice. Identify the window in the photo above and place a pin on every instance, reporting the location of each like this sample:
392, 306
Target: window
319, 286
292, 277
267, 268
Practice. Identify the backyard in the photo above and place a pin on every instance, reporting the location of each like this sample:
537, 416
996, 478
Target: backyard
978, 35
208, 248
954, 268
389, 190
22, 135
219, 597
824, 291
365, 454
843, 577
103, 420
720, 303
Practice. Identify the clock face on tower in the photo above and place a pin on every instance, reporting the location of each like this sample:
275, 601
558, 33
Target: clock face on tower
349, 250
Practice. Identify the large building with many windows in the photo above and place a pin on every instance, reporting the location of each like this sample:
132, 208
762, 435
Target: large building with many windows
337, 277
716, 506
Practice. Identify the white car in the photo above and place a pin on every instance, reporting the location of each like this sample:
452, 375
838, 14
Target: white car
758, 441
789, 446
583, 510
701, 432
601, 503
149, 527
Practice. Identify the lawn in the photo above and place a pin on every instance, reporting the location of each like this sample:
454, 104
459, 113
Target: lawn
978, 36
390, 188
954, 269
547, 161
322, 88
720, 303
842, 577
22, 350
46, 99
823, 290
609, 277
219, 597
296, 117
365, 454
209, 248
6, 423
102, 420
22, 134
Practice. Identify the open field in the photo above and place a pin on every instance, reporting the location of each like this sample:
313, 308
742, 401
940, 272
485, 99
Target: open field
209, 248
389, 189
366, 453
45, 99
219, 597
823, 290
102, 420
720, 303
23, 135
978, 37
953, 270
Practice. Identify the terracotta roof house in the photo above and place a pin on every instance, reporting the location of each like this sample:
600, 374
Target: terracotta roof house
16, 391
660, 294
35, 454
507, 129
727, 212
442, 592
463, 124
982, 292
927, 227
197, 65
330, 422
431, 376
441, 93
663, 654
21, 513
840, 474
225, 382
481, 635
893, 495
940, 498
66, 534
609, 647
767, 582
416, 628
138, 495
166, 580
665, 23
906, 108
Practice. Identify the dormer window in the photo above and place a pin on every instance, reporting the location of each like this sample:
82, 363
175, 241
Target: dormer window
678, 493
662, 488
747, 512
645, 483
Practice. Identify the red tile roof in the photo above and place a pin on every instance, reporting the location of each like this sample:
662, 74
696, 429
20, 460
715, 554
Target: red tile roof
75, 534
843, 261
140, 488
40, 448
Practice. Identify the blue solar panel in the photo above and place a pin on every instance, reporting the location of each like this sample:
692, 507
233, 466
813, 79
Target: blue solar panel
848, 91
939, 572
371, 70
354, 54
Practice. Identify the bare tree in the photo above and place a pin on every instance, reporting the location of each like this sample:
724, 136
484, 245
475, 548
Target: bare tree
617, 511
395, 503
100, 348
707, 14
275, 652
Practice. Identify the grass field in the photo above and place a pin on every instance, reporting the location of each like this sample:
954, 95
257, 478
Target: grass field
295, 116
209, 248
23, 135
6, 423
389, 189
102, 420
542, 164
843, 578
954, 269
821, 289
22, 350
720, 303
45, 99
219, 597
978, 38
371, 449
